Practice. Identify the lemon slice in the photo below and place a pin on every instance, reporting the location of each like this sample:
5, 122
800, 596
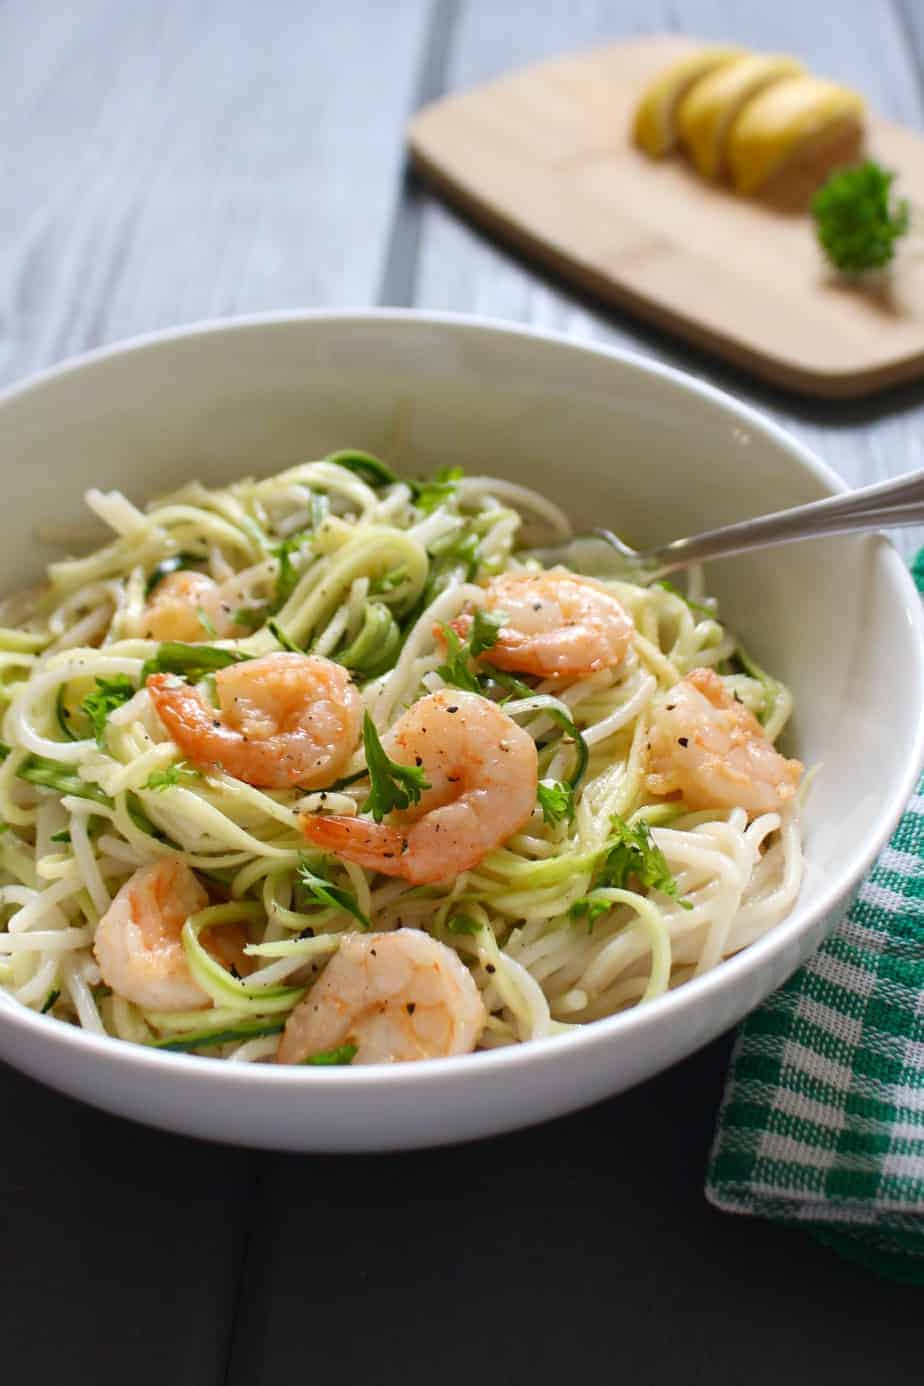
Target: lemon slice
707, 111
655, 128
790, 119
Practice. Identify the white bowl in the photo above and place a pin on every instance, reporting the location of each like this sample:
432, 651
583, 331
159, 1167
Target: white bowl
614, 439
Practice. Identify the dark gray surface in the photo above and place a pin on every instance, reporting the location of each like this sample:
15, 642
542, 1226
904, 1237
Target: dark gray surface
581, 1252
120, 1246
166, 162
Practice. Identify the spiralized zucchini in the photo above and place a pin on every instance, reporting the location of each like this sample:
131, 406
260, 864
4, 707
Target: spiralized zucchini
341, 557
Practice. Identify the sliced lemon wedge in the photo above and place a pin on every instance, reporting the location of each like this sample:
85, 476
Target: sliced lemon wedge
790, 120
655, 127
707, 111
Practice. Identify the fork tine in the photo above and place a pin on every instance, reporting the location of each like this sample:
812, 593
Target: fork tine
595, 555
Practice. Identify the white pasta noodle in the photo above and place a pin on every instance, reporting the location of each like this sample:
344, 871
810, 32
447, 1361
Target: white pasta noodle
341, 559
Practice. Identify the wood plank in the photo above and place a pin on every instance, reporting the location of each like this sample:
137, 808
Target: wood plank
163, 163
545, 159
463, 270
910, 18
121, 1245
168, 163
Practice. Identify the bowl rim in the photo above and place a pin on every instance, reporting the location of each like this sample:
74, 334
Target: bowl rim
483, 1064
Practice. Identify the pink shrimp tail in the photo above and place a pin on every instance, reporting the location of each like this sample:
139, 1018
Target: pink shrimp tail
184, 714
375, 846
712, 687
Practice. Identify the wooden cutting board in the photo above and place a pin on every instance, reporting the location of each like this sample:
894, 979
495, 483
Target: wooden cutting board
543, 158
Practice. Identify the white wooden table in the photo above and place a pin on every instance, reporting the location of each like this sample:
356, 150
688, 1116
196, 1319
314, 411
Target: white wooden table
165, 162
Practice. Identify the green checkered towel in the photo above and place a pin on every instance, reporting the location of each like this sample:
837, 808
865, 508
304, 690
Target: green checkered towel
822, 1122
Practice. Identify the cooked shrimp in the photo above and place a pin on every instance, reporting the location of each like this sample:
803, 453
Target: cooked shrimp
138, 944
482, 772
710, 748
284, 719
187, 606
558, 625
398, 997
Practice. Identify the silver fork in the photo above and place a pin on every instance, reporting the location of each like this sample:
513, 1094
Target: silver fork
886, 505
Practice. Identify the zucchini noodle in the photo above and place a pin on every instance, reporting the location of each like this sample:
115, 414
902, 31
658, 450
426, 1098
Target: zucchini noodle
340, 558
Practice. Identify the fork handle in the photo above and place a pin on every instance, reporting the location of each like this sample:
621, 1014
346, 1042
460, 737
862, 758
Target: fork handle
887, 504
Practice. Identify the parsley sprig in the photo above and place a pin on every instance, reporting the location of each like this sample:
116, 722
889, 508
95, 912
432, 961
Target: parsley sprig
456, 669
106, 697
486, 627
322, 889
629, 853
556, 801
857, 221
392, 786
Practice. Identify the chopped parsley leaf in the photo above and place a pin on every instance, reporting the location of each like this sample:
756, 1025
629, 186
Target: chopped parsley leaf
486, 627
591, 908
326, 893
108, 695
556, 801
392, 786
459, 654
172, 775
343, 1054
430, 494
455, 670
191, 662
462, 924
631, 851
